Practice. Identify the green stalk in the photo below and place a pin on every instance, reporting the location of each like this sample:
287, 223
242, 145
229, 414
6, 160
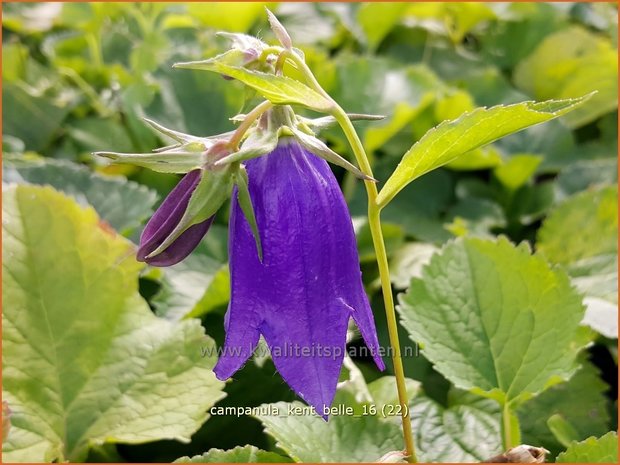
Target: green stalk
511, 434
374, 221
94, 49
247, 122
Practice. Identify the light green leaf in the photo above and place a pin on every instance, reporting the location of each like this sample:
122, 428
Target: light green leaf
494, 319
455, 18
85, 362
592, 450
408, 261
580, 402
573, 61
378, 19
594, 214
451, 139
590, 257
383, 391
240, 454
517, 170
308, 438
467, 431
228, 16
276, 89
121, 203
478, 159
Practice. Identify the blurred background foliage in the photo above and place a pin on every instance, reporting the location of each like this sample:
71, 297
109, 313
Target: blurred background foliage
78, 78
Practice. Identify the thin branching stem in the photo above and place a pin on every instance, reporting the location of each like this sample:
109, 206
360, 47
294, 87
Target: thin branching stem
247, 122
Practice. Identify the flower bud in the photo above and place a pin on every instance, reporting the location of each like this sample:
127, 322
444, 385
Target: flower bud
166, 219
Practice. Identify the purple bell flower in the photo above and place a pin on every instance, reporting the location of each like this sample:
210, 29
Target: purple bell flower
308, 285
164, 221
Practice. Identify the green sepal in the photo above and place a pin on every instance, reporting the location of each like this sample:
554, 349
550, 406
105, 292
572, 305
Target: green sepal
319, 148
213, 189
186, 155
318, 124
180, 137
174, 160
257, 144
245, 202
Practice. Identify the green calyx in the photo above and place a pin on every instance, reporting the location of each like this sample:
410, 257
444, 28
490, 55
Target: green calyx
186, 154
213, 189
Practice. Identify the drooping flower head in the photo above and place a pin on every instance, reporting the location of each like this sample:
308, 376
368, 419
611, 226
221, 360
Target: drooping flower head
308, 285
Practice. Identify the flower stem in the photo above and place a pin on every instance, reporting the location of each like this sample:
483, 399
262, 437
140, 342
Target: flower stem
511, 435
374, 221
252, 116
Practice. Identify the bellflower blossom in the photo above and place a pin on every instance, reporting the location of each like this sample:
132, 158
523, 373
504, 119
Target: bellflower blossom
308, 285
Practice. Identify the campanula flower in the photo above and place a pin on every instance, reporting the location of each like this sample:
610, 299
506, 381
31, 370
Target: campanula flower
308, 285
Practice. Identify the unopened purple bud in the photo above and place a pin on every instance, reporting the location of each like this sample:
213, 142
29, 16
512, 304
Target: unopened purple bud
164, 221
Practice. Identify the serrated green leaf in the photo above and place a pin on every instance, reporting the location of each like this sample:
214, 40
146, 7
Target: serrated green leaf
304, 436
85, 362
277, 89
240, 454
121, 203
451, 139
580, 402
484, 311
592, 450
467, 431
591, 256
